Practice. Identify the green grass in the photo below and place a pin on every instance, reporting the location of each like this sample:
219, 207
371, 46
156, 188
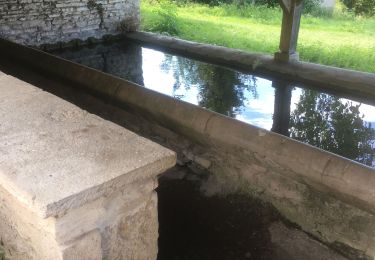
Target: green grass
341, 40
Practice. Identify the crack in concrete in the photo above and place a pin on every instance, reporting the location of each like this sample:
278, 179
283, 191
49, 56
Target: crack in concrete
207, 122
325, 169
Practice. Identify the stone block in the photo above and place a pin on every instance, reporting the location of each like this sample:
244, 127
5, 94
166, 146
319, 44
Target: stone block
72, 185
87, 247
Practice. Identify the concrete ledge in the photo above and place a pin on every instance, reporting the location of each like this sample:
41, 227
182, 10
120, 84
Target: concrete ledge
72, 185
309, 186
344, 81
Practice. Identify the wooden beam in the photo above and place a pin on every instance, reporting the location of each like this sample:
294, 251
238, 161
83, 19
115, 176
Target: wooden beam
292, 11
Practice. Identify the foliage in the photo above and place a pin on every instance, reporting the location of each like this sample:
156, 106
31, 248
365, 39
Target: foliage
349, 3
342, 41
364, 7
310, 6
361, 7
333, 125
220, 90
165, 17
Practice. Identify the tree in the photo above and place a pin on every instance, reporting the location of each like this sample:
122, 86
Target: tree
334, 125
220, 90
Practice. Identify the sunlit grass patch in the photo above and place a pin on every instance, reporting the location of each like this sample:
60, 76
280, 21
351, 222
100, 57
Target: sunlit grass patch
341, 40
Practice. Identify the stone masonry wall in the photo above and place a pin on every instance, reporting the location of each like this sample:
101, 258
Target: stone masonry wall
35, 22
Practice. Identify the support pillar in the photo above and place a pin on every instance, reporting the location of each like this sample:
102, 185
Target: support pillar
292, 11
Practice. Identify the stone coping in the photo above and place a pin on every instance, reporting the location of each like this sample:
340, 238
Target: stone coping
340, 177
55, 156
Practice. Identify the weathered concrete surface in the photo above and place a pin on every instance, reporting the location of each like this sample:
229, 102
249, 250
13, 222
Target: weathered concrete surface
344, 81
39, 21
292, 244
326, 195
69, 179
236, 226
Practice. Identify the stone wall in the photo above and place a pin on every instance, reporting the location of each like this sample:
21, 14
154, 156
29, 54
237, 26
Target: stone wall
35, 22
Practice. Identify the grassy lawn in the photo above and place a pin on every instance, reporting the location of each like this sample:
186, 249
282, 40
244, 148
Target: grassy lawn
342, 40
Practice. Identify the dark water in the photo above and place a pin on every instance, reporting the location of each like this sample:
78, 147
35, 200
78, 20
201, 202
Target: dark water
336, 124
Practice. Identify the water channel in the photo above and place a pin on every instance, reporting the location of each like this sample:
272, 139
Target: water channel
330, 122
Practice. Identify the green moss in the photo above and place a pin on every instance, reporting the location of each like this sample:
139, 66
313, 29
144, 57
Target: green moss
2, 253
91, 5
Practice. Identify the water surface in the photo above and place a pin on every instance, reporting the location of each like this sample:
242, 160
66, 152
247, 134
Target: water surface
330, 122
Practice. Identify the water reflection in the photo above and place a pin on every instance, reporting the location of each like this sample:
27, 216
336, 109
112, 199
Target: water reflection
319, 119
334, 125
121, 60
283, 100
329, 122
220, 90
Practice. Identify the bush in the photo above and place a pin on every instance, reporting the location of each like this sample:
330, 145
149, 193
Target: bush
364, 7
349, 3
166, 20
361, 7
312, 7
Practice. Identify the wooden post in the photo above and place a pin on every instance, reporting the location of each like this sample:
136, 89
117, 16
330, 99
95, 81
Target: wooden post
292, 11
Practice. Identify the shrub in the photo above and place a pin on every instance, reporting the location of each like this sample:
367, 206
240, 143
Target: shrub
349, 3
312, 7
364, 7
166, 18
361, 7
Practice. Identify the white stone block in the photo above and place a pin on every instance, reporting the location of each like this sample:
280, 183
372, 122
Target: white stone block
69, 180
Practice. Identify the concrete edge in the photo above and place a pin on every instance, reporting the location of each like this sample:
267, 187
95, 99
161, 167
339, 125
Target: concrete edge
46, 210
348, 82
108, 188
345, 179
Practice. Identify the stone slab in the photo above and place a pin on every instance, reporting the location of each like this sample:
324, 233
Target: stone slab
55, 156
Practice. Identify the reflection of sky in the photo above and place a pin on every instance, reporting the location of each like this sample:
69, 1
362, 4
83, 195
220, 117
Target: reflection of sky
257, 111
157, 79
367, 110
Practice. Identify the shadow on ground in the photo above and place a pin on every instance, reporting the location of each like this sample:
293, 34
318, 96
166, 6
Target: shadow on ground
193, 226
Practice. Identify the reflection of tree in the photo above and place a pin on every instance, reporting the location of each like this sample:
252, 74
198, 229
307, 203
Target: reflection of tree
326, 122
220, 90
